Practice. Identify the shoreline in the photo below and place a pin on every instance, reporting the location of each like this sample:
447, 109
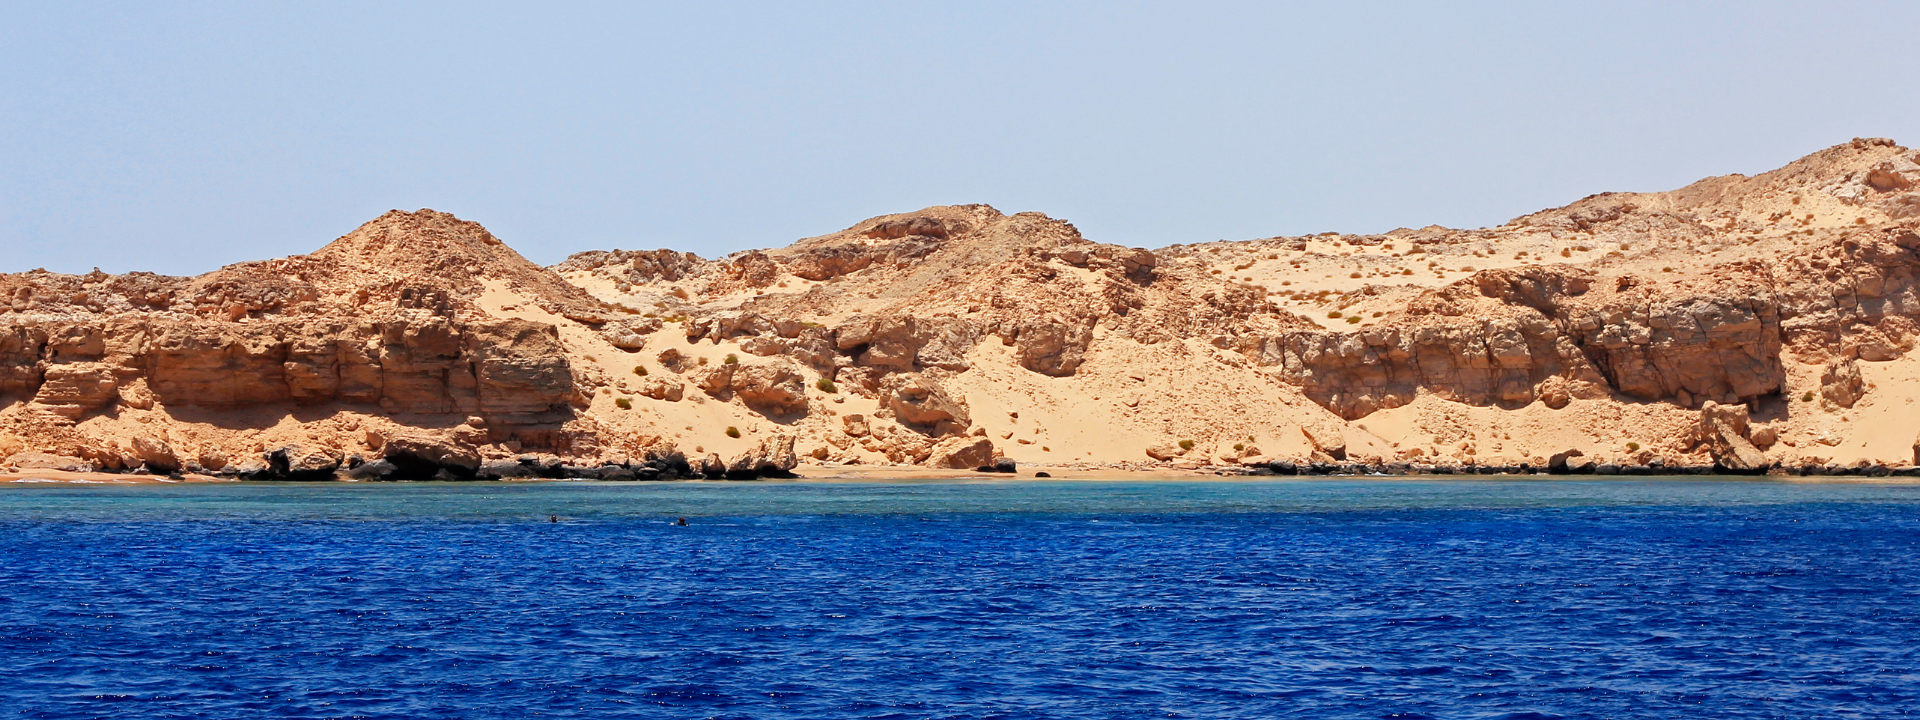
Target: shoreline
877, 475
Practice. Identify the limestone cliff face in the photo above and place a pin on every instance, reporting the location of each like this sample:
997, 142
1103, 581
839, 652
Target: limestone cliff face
510, 372
1510, 338
1513, 336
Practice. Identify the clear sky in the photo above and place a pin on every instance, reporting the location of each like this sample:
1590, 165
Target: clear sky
179, 136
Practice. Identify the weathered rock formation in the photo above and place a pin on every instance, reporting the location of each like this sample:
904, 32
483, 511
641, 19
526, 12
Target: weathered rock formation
1725, 429
383, 322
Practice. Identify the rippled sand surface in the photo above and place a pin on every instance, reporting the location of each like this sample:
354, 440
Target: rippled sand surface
1326, 599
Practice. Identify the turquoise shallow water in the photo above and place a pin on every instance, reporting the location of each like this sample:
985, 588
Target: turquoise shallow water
1321, 598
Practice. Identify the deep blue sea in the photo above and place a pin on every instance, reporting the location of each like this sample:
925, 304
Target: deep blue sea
1655, 598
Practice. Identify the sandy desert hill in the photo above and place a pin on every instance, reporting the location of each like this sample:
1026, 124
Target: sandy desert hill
1743, 323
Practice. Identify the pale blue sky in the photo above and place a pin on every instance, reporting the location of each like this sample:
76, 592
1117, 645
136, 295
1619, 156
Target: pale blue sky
177, 137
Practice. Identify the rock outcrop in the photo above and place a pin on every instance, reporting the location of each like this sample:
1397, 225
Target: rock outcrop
1725, 430
511, 371
384, 322
921, 402
962, 452
772, 457
430, 456
1841, 383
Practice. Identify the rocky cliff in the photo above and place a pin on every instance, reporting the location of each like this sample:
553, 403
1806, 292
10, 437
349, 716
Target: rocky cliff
381, 325
1740, 322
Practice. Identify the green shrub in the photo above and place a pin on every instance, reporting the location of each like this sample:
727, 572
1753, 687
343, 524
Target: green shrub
732, 359
640, 370
1351, 319
826, 385
1807, 397
1633, 447
1186, 444
1239, 446
1335, 315
623, 403
733, 432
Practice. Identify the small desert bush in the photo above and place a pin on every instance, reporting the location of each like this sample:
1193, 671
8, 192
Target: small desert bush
826, 385
1335, 315
1633, 447
1186, 444
623, 403
733, 432
1807, 397
640, 370
1351, 319
732, 359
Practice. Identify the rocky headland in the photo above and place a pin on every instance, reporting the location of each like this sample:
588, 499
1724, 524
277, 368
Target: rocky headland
1739, 324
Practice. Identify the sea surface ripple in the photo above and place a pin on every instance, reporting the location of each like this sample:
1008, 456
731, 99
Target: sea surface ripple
1324, 599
